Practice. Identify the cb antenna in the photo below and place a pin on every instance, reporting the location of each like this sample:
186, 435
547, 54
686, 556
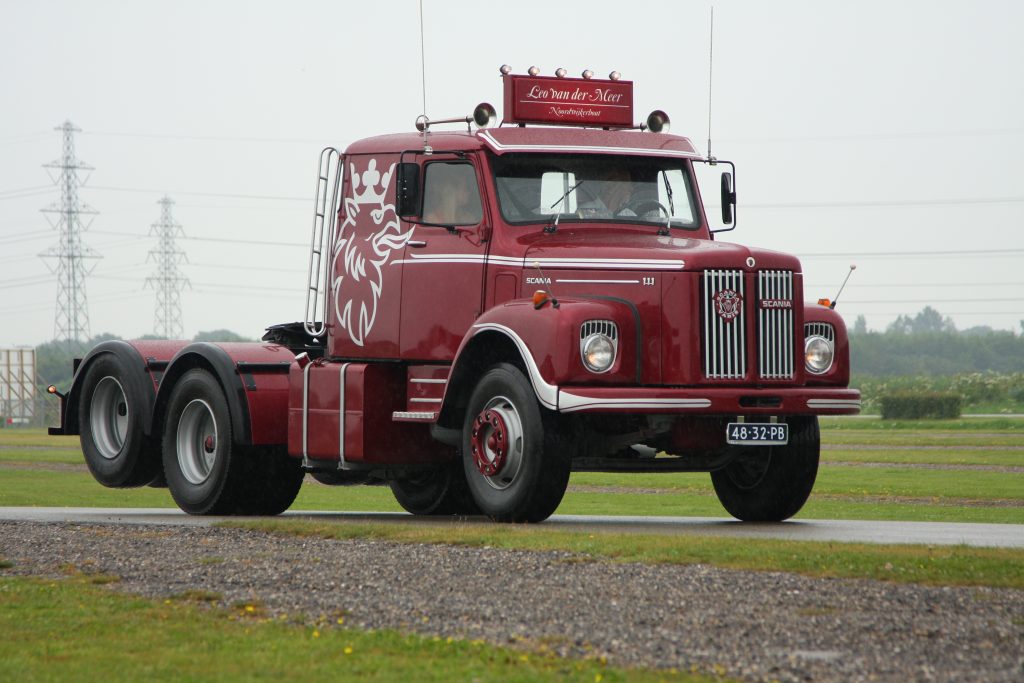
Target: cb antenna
711, 58
423, 81
853, 267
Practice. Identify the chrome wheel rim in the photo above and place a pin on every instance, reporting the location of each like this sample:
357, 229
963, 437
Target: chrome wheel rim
197, 441
507, 460
108, 417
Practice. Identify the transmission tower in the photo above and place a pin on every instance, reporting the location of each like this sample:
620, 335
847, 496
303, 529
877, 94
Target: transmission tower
71, 322
168, 280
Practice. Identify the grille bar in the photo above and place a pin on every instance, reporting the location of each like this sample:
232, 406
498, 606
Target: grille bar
725, 324
820, 330
775, 324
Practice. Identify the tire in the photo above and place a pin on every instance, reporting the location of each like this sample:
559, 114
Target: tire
440, 491
110, 421
270, 481
200, 461
524, 479
340, 477
770, 484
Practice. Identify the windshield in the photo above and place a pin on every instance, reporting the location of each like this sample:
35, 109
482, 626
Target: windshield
536, 188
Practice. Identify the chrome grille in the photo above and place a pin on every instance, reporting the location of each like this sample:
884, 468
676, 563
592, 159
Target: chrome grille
820, 330
725, 325
606, 327
775, 324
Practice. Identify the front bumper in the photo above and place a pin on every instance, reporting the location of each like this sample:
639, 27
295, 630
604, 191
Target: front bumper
710, 401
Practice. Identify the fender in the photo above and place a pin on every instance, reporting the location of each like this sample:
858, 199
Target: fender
547, 344
148, 357
236, 365
839, 373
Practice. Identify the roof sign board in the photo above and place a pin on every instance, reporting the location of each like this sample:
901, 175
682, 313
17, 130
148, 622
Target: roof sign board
568, 101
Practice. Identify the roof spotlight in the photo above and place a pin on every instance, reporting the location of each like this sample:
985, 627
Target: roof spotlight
560, 72
533, 71
505, 69
588, 74
614, 76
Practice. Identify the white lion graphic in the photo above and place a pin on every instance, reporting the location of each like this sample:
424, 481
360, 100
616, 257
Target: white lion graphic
363, 247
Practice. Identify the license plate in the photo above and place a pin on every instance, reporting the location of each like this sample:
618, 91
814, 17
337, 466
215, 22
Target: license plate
757, 433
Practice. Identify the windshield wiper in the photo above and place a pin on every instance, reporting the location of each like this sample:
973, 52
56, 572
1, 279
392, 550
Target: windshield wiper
561, 200
671, 206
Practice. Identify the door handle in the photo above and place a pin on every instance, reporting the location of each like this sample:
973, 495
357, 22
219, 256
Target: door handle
416, 244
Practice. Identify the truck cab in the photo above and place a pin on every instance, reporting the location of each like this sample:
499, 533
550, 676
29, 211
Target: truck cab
490, 309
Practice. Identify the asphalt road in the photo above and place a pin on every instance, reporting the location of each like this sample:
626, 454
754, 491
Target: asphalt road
923, 533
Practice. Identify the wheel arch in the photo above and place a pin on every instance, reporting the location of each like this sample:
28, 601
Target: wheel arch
140, 380
484, 349
215, 360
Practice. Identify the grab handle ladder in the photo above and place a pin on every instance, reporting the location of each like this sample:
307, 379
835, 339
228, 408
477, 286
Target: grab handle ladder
325, 218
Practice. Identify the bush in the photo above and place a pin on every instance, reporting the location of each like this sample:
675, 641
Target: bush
911, 405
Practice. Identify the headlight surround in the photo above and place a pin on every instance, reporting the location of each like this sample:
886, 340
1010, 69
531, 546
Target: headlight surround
598, 352
818, 354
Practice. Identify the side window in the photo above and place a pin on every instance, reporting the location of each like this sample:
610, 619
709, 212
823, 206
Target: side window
450, 194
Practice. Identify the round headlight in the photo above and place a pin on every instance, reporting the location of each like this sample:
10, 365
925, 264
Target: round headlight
598, 352
817, 355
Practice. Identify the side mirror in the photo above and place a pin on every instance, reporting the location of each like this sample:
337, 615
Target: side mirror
728, 198
408, 200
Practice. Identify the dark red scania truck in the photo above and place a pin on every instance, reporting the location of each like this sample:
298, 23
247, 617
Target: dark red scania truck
488, 310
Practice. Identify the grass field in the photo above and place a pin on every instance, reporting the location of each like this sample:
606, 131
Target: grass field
71, 630
969, 470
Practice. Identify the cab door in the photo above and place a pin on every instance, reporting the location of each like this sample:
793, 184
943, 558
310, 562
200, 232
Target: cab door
443, 265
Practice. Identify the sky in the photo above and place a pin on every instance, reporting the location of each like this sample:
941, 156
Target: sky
885, 134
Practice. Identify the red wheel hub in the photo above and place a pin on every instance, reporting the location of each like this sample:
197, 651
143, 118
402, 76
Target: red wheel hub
489, 442
209, 444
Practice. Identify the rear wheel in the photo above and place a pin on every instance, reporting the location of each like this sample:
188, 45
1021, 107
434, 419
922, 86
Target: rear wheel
270, 481
515, 462
199, 458
110, 421
770, 484
439, 491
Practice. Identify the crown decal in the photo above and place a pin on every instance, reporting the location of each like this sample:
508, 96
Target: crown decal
370, 186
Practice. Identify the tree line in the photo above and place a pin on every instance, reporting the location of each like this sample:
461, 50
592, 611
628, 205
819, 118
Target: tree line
54, 358
929, 344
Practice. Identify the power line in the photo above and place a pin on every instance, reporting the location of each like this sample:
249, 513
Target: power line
205, 194
226, 240
211, 138
906, 254
884, 203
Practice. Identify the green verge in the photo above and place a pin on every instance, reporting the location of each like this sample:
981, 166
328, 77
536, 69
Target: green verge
963, 424
71, 631
74, 489
923, 456
872, 481
947, 565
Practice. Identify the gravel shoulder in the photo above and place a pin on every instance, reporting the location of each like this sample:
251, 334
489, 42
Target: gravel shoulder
758, 626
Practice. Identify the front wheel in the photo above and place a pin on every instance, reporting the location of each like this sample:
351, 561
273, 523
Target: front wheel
515, 463
772, 483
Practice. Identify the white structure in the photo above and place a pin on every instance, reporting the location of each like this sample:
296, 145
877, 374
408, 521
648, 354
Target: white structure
17, 385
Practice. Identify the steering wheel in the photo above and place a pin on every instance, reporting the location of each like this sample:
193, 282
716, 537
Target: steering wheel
644, 206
